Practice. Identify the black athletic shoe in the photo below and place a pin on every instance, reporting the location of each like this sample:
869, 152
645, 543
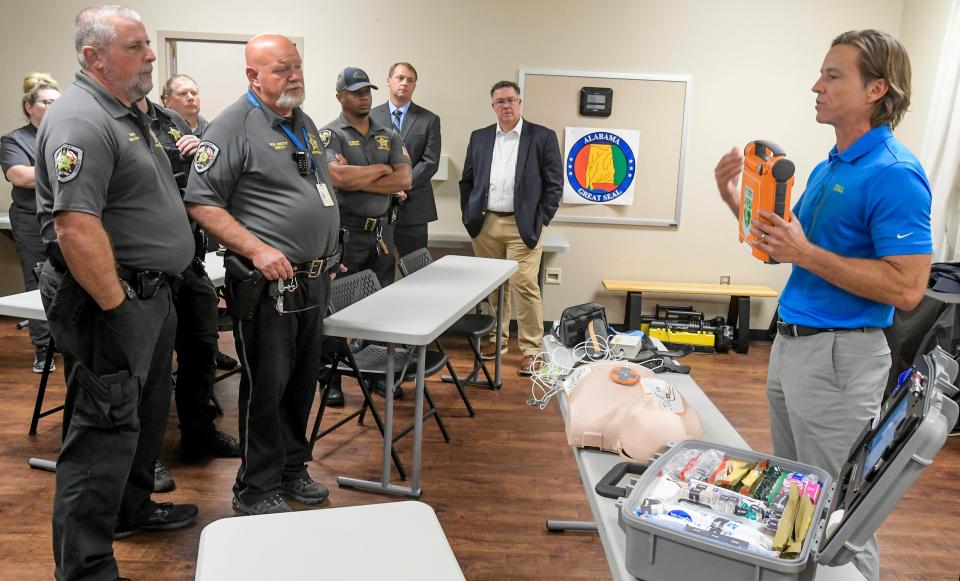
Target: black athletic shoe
270, 505
305, 490
218, 445
162, 479
335, 397
166, 517
39, 358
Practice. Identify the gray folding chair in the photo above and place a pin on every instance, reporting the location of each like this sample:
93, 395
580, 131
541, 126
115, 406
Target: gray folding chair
473, 326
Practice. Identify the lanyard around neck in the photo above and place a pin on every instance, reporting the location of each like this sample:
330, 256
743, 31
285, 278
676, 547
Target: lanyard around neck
302, 147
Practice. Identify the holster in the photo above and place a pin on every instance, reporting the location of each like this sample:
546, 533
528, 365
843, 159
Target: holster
245, 293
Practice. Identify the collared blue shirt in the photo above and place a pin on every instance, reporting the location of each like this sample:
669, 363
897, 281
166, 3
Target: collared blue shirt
870, 201
404, 109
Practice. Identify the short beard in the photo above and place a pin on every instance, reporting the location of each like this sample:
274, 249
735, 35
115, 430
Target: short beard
134, 88
290, 101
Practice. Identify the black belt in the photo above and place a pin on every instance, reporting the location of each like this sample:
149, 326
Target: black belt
501, 214
803, 331
144, 283
316, 267
367, 224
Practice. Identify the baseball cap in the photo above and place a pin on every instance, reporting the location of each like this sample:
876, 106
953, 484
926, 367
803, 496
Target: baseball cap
352, 79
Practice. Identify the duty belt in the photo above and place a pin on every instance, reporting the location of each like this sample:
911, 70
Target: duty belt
316, 267
366, 224
144, 283
803, 331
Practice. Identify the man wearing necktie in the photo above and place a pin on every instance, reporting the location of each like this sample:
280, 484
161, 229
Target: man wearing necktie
420, 131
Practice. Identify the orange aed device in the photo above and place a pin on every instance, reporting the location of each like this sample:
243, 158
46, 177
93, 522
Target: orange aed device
766, 184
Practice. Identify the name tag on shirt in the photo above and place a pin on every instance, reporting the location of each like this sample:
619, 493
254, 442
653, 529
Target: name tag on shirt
325, 196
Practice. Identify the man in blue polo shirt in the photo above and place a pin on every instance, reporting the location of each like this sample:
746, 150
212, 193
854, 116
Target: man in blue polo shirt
860, 245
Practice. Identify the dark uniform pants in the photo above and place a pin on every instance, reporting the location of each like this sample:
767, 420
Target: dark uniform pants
26, 238
281, 362
409, 238
362, 252
117, 366
196, 346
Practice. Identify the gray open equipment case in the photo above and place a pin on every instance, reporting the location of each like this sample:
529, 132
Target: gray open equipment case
658, 553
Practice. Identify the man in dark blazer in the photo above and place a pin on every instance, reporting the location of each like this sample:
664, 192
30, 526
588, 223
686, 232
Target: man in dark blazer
420, 131
511, 188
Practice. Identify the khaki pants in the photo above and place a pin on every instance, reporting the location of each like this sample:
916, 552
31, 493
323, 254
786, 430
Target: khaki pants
822, 391
499, 238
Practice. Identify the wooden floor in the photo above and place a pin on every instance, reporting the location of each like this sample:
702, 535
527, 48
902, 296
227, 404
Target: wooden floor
505, 472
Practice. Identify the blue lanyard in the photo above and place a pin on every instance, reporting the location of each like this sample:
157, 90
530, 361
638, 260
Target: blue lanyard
300, 146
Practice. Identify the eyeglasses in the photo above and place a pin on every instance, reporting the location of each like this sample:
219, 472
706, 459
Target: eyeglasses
46, 102
509, 101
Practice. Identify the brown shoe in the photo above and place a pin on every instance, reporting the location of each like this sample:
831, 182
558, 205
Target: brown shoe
527, 366
490, 351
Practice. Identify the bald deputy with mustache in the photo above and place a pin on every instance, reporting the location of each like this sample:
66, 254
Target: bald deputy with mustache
259, 184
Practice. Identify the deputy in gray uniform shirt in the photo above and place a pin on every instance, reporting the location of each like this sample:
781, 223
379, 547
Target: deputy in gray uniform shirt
260, 186
117, 234
369, 166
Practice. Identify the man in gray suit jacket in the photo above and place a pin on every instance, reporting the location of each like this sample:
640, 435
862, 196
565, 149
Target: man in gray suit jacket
420, 131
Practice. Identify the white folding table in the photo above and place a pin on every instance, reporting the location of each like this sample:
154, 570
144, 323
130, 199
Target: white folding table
330, 544
415, 310
594, 465
29, 305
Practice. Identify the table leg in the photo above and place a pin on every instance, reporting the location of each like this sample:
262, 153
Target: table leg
500, 323
384, 485
418, 419
388, 410
739, 315
633, 312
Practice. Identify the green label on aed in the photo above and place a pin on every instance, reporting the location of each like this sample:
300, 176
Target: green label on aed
747, 208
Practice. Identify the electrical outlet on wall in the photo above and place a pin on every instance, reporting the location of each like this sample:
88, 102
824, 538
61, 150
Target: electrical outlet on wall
551, 276
724, 279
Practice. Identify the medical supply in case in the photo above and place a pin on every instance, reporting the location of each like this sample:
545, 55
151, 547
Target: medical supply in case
807, 518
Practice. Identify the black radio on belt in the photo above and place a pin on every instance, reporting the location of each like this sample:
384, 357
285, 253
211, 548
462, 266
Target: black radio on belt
303, 164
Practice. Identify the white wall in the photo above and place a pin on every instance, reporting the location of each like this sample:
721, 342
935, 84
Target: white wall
752, 69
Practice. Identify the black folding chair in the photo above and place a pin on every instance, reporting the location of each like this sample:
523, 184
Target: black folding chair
371, 361
473, 326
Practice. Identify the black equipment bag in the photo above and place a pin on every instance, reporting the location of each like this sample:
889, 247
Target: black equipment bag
571, 329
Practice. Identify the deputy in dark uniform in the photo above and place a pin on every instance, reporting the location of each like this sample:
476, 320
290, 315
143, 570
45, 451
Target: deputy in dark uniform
196, 302
370, 166
259, 185
117, 235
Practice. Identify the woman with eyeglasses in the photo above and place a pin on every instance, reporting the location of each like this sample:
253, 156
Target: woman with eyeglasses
17, 160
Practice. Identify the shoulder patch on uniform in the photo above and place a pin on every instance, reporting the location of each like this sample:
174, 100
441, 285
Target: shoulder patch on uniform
325, 137
383, 142
206, 154
68, 159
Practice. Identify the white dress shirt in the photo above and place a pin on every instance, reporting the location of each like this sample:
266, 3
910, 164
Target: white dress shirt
503, 169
